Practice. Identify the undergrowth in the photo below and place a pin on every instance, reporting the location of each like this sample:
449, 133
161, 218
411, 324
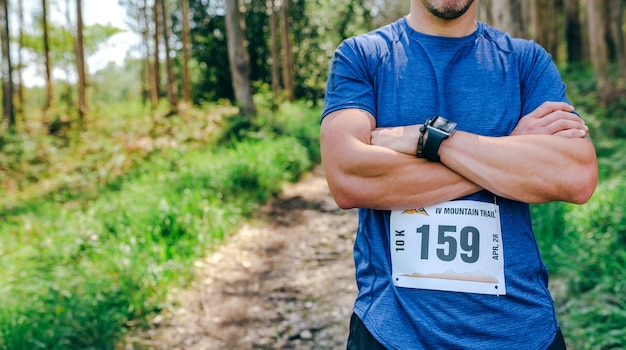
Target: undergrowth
96, 250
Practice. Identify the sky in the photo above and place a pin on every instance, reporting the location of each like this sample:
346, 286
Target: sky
94, 11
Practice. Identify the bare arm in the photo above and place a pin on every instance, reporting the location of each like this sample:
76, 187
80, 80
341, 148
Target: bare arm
527, 168
364, 175
531, 166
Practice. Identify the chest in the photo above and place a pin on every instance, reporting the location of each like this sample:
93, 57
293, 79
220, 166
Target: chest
477, 87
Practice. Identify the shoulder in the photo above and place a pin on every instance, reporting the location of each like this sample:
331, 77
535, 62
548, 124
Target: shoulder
524, 49
377, 42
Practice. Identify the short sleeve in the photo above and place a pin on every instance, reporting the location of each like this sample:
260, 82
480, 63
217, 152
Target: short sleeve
349, 83
540, 78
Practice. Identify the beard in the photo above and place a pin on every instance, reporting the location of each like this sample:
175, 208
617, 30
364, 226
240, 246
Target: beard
447, 10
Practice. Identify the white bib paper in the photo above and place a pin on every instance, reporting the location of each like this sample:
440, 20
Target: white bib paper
452, 246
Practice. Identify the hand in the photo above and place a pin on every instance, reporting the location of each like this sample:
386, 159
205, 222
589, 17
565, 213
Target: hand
401, 139
552, 118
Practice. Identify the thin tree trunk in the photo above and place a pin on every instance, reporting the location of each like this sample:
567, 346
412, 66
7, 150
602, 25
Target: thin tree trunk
7, 81
615, 23
20, 60
484, 12
520, 17
80, 65
598, 48
238, 58
46, 48
68, 98
169, 67
573, 32
507, 15
145, 36
157, 35
186, 51
545, 28
502, 15
287, 58
274, 48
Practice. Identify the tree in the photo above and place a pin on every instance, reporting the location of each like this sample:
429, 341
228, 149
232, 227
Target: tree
169, 67
286, 52
46, 48
135, 13
238, 58
20, 59
7, 81
156, 59
150, 65
139, 14
507, 15
598, 48
274, 47
545, 30
80, 64
615, 24
573, 32
186, 41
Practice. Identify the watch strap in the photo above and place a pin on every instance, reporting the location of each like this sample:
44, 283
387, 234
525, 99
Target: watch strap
433, 141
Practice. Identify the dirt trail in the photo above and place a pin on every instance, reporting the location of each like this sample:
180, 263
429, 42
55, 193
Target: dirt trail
283, 281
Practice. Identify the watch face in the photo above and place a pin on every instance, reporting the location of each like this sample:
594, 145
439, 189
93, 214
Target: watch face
443, 124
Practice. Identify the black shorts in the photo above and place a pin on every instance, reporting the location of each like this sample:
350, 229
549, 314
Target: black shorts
361, 339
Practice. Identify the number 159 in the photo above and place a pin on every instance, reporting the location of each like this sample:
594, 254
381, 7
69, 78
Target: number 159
469, 242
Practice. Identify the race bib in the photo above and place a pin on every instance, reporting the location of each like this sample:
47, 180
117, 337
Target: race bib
452, 246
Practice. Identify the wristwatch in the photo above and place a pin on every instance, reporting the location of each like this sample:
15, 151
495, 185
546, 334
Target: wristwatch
438, 129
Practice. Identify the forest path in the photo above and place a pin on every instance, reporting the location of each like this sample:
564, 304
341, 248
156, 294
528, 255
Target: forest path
285, 280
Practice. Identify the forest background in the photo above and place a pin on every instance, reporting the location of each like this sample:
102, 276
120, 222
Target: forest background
113, 182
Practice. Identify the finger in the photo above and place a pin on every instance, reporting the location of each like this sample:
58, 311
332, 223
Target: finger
562, 117
565, 124
571, 133
549, 107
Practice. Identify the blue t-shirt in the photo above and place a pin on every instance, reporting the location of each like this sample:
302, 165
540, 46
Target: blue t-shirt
485, 82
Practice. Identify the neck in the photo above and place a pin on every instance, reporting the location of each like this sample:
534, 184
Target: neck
421, 20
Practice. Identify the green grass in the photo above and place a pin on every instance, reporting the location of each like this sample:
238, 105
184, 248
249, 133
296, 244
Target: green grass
78, 270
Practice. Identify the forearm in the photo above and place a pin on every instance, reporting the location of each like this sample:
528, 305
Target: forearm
363, 175
550, 156
528, 168
379, 178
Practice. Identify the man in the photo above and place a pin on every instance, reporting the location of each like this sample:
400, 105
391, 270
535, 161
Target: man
445, 255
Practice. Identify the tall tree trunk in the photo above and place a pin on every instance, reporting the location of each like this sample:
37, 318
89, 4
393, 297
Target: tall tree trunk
573, 32
238, 58
68, 98
615, 24
7, 81
287, 56
157, 41
186, 51
46, 49
507, 15
80, 64
484, 11
169, 67
274, 48
144, 25
598, 48
544, 23
20, 61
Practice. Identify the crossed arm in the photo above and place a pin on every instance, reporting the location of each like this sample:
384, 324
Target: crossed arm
548, 157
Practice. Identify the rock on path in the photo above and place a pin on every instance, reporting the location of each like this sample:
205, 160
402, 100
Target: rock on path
284, 281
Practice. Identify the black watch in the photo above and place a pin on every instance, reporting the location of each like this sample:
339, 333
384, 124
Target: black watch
439, 129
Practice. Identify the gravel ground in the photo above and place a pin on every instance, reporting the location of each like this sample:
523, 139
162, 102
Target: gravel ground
285, 280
